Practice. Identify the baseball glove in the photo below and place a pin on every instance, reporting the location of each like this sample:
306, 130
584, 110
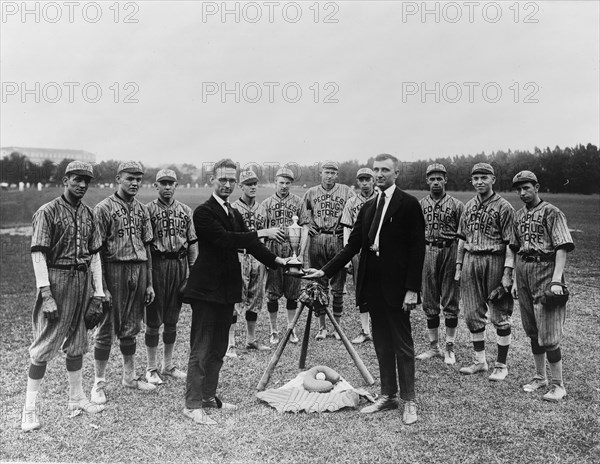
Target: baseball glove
550, 298
49, 307
498, 294
181, 291
94, 313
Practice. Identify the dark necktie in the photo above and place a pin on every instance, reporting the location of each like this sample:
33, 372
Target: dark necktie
229, 211
377, 218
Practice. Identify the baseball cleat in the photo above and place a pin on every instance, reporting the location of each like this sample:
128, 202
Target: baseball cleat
555, 394
199, 416
231, 353
410, 413
97, 394
431, 353
30, 420
337, 335
499, 373
293, 337
449, 357
256, 346
139, 384
274, 339
474, 368
175, 373
536, 383
322, 334
85, 405
153, 378
362, 337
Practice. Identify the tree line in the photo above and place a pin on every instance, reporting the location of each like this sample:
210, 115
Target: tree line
570, 169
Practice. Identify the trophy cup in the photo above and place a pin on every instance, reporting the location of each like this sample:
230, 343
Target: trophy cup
293, 267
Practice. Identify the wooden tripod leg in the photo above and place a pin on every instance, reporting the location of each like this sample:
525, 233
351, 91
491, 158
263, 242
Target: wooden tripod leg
275, 358
305, 338
353, 354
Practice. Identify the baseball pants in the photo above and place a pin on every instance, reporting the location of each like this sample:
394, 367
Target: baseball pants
278, 283
253, 284
126, 282
482, 273
542, 323
440, 291
72, 291
323, 247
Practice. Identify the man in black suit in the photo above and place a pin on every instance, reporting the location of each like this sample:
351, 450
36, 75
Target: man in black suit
389, 233
215, 285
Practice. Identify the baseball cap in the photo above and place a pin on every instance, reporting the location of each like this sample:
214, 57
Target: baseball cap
80, 167
285, 172
166, 174
248, 177
330, 165
435, 167
482, 168
365, 172
524, 176
134, 167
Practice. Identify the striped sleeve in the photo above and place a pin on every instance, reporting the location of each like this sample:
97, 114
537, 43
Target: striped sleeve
42, 230
147, 234
507, 222
191, 230
561, 237
347, 220
306, 209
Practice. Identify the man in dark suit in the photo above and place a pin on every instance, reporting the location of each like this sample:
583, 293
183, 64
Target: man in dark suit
389, 233
215, 285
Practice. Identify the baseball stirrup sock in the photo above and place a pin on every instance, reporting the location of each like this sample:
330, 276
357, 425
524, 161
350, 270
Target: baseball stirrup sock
540, 364
168, 356
128, 367
151, 352
504, 339
554, 356
450, 334
151, 339
291, 304
272, 306
251, 316
556, 372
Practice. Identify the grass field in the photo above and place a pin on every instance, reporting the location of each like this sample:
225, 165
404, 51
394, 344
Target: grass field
461, 419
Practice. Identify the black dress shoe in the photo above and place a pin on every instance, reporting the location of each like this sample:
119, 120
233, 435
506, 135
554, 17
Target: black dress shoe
383, 403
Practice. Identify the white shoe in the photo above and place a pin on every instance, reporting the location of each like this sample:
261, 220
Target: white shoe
230, 353
322, 334
536, 383
431, 353
500, 372
293, 337
449, 357
153, 377
274, 338
555, 394
175, 373
474, 368
30, 420
97, 394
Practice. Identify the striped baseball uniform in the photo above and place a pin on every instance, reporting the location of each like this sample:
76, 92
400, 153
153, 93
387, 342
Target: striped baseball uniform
540, 231
67, 236
278, 212
349, 215
253, 271
125, 230
440, 291
173, 231
487, 229
322, 210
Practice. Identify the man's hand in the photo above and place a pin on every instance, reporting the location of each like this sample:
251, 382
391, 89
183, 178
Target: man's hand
107, 298
514, 292
312, 231
274, 233
312, 273
149, 298
457, 274
507, 280
410, 300
557, 289
349, 267
281, 261
49, 306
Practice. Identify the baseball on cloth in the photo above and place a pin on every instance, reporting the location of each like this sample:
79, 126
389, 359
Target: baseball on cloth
320, 376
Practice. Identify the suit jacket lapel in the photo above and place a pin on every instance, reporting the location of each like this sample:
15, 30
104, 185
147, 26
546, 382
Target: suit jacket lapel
395, 202
221, 213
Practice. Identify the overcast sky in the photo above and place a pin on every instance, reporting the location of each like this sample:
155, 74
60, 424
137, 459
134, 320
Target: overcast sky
314, 81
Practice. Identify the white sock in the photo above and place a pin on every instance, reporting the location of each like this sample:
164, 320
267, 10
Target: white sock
450, 334
75, 385
33, 388
364, 322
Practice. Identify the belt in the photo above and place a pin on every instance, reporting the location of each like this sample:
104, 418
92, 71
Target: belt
440, 243
538, 258
82, 267
331, 232
170, 254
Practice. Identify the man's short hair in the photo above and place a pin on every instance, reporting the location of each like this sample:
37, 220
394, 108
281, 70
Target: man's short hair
387, 156
224, 163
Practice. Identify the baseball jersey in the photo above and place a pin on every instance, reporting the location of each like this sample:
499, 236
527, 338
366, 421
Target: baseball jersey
65, 234
352, 207
253, 216
124, 228
487, 226
442, 217
323, 208
541, 230
279, 211
172, 226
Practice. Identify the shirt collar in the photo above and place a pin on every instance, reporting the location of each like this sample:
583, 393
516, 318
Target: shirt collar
389, 191
219, 200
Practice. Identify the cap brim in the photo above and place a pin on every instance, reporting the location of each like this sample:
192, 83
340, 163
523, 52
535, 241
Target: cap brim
166, 178
80, 173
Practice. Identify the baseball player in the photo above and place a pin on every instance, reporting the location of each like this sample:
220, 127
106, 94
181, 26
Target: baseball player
253, 271
67, 271
366, 181
442, 214
174, 251
279, 209
126, 234
484, 266
542, 243
320, 215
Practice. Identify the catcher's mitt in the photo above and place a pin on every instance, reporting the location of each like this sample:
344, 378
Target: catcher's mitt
498, 294
181, 291
552, 299
94, 313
